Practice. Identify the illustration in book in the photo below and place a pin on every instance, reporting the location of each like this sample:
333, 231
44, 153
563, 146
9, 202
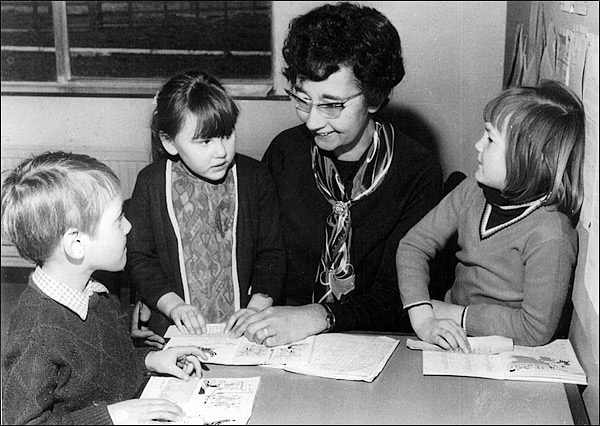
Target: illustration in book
554, 362
207, 400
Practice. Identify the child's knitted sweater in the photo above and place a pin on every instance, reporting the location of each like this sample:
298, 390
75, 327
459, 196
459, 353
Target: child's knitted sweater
58, 369
514, 280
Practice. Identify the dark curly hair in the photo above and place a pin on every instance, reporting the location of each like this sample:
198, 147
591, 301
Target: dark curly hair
345, 34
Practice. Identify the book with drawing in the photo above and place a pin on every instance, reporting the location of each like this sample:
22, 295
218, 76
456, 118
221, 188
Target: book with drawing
221, 349
207, 400
331, 355
554, 362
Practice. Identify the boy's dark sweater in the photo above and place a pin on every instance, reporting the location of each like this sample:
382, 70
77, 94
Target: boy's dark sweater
59, 369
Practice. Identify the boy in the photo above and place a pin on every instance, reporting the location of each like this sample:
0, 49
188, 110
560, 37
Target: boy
69, 358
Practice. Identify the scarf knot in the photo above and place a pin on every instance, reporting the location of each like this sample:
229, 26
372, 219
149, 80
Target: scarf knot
341, 208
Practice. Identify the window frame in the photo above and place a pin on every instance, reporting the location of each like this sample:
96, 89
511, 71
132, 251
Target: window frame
66, 83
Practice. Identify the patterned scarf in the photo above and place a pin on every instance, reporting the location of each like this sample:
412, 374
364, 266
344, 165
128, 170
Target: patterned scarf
335, 276
205, 213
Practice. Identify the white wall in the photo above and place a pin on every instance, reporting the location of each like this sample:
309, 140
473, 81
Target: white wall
80, 123
454, 57
453, 52
583, 331
117, 129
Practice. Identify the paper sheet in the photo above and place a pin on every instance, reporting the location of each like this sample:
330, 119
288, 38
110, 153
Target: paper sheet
348, 357
207, 400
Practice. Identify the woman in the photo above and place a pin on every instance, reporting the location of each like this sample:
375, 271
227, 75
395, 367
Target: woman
349, 184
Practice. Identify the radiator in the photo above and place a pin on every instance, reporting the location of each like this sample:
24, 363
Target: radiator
126, 164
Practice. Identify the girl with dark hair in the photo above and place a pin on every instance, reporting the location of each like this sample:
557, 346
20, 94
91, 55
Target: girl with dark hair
206, 244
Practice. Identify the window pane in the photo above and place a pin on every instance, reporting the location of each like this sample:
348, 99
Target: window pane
27, 41
145, 39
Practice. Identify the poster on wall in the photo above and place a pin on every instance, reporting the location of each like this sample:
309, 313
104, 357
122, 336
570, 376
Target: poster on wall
578, 46
563, 42
578, 7
589, 210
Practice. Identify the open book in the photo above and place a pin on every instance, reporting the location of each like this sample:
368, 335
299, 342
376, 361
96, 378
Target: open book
331, 355
485, 345
347, 356
554, 362
221, 349
207, 401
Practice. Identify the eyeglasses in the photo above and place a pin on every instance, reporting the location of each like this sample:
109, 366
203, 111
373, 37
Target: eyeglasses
327, 110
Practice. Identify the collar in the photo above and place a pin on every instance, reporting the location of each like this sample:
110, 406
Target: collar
499, 213
77, 301
494, 196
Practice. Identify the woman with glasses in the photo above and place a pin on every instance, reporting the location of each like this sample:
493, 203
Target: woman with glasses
349, 184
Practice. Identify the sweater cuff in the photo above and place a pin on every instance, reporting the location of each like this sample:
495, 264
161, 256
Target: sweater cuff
414, 305
96, 414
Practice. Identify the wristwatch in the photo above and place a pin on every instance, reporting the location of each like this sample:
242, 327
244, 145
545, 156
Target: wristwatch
330, 318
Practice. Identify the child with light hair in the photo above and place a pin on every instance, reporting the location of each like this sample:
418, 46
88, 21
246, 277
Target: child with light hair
514, 219
68, 357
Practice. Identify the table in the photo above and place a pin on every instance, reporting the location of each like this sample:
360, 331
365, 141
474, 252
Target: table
402, 395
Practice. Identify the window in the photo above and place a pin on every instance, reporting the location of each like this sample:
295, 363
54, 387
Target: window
133, 46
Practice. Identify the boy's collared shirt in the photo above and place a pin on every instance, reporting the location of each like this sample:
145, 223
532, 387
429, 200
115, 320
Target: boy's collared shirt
68, 297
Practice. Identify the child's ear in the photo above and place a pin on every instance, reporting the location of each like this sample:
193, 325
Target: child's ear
167, 143
73, 244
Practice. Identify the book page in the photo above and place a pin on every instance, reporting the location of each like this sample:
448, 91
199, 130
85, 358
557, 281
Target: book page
213, 330
221, 349
485, 345
555, 362
331, 355
171, 388
460, 364
207, 400
348, 356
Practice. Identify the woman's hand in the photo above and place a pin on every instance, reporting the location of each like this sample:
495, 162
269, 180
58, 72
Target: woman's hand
280, 325
258, 302
140, 333
235, 321
182, 362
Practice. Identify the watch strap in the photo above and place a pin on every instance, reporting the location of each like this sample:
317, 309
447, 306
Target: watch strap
330, 317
